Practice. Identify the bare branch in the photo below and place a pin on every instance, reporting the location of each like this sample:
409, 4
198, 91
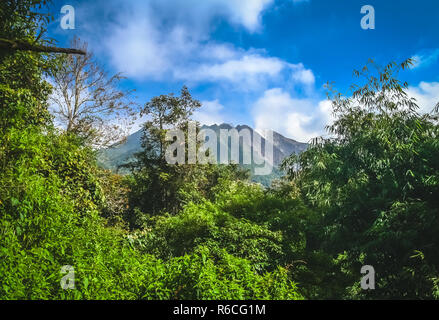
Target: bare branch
88, 101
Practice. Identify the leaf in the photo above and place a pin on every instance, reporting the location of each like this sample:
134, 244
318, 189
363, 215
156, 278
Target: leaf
85, 283
15, 202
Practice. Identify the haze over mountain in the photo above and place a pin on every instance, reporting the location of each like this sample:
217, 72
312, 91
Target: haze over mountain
112, 158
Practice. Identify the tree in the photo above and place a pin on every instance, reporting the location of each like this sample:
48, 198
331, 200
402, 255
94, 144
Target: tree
26, 31
156, 185
375, 183
165, 111
50, 190
87, 101
23, 93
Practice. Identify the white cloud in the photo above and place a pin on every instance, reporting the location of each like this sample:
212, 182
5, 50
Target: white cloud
246, 12
136, 55
209, 113
300, 119
425, 59
246, 71
171, 40
178, 56
326, 113
426, 95
302, 75
298, 127
305, 118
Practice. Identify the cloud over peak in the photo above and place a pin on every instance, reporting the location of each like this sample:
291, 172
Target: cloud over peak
172, 41
290, 116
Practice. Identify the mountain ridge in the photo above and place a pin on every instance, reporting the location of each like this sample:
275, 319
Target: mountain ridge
111, 158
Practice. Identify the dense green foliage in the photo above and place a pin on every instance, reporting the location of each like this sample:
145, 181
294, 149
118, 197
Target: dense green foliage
365, 196
53, 200
375, 185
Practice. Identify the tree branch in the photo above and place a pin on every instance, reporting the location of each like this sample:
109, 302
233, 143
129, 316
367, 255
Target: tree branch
23, 45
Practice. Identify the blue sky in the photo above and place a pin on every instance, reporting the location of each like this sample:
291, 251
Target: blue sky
256, 62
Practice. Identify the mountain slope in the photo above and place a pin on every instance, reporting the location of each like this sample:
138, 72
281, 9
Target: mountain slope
113, 157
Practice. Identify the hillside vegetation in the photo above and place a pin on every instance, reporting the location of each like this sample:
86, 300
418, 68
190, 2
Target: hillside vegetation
366, 195
116, 156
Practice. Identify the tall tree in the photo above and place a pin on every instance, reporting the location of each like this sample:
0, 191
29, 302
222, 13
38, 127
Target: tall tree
23, 93
156, 184
165, 112
22, 26
375, 183
87, 101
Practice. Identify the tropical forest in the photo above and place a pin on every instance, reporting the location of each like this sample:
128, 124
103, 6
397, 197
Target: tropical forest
350, 214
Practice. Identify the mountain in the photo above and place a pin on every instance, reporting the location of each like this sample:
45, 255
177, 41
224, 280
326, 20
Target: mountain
115, 156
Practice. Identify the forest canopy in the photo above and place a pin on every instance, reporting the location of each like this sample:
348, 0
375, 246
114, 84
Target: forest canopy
367, 194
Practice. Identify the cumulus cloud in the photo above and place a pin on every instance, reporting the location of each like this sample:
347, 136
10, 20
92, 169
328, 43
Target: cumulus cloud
300, 119
246, 71
302, 75
171, 40
178, 56
210, 113
426, 95
246, 13
305, 118
325, 112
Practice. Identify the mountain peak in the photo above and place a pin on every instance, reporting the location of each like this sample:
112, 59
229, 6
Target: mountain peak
283, 147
